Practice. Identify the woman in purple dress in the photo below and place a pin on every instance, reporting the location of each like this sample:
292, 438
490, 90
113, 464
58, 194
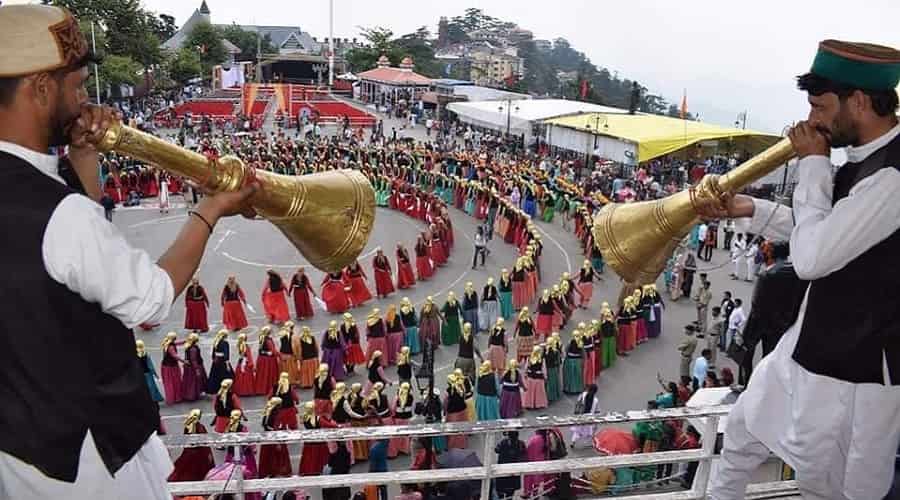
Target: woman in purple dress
333, 351
193, 381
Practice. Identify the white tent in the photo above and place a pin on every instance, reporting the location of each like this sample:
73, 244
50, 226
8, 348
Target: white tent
522, 114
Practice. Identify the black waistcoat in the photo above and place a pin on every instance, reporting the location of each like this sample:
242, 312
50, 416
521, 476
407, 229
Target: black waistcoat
58, 384
852, 319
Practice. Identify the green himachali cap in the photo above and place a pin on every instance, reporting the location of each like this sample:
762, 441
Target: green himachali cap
861, 65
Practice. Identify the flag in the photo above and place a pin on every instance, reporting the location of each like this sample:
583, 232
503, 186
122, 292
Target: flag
585, 88
684, 109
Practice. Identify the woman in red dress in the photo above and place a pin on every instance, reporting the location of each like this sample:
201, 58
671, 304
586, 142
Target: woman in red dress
112, 188
267, 362
384, 282
274, 459
424, 266
226, 401
194, 463
274, 299
437, 248
376, 335
356, 279
405, 276
334, 293
233, 300
196, 302
244, 375
353, 354
315, 455
300, 290
287, 415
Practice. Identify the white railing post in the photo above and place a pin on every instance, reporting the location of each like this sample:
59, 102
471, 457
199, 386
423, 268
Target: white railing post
701, 477
488, 458
239, 472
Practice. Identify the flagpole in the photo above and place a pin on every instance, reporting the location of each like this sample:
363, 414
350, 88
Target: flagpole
330, 43
96, 67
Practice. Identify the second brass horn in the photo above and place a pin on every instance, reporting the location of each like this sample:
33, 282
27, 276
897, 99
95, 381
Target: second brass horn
328, 216
636, 239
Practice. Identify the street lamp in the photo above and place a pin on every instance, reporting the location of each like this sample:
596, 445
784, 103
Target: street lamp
508, 114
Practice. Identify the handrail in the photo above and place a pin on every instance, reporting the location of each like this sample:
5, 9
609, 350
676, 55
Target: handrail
708, 418
430, 430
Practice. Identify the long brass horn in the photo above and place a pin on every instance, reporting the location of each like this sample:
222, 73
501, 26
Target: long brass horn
328, 216
636, 239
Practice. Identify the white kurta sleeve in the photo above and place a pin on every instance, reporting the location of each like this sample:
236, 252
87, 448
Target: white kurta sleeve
91, 257
770, 220
826, 238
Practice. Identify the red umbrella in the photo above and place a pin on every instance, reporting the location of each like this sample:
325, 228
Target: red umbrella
612, 441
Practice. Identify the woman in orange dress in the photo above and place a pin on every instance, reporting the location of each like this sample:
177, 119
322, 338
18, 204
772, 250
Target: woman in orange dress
308, 350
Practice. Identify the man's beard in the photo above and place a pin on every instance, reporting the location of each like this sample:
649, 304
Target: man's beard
843, 133
60, 125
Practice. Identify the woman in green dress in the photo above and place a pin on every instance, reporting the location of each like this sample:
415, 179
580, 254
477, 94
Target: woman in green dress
505, 294
573, 378
553, 360
452, 311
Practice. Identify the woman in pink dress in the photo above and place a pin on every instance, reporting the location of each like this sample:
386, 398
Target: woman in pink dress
402, 413
244, 374
456, 409
170, 369
267, 369
535, 396
274, 298
196, 304
233, 300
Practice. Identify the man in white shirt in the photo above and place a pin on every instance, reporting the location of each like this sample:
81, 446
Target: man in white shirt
737, 255
77, 419
735, 322
750, 259
826, 399
701, 239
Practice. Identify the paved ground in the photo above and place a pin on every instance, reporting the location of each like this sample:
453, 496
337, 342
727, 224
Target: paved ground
247, 248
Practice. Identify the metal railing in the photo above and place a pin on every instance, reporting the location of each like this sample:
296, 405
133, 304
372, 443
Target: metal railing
707, 418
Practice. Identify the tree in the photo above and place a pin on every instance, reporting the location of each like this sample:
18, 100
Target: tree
165, 27
380, 42
184, 66
207, 42
247, 41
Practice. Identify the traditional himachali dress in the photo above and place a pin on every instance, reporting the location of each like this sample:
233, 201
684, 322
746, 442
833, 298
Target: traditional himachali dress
654, 324
193, 379
510, 394
333, 348
233, 316
487, 399
465, 358
455, 403
171, 373
553, 360
451, 326
545, 324
267, 369
436, 250
573, 367
196, 304
506, 298
300, 290
497, 349
524, 338
384, 282
309, 360
287, 361
334, 294
585, 286
626, 337
314, 456
520, 297
470, 309
535, 391
244, 374
223, 406
274, 299
274, 459
401, 414
322, 389
355, 278
411, 333
150, 377
219, 367
424, 266
640, 322
194, 463
395, 333
405, 275
490, 308
353, 353
376, 339
589, 361
360, 446
286, 417
608, 336
429, 325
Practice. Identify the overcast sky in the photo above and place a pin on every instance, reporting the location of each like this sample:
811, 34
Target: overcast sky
730, 56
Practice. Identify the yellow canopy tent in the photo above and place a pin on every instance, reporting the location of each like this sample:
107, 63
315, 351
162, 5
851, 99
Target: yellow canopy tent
660, 135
